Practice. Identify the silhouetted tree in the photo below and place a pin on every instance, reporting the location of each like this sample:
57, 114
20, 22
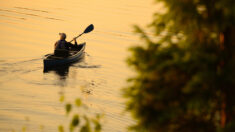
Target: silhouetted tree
185, 80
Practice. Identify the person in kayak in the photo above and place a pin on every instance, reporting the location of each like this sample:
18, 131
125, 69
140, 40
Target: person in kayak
63, 44
62, 47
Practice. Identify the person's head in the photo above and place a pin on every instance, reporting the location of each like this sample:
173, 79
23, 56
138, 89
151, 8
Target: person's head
62, 36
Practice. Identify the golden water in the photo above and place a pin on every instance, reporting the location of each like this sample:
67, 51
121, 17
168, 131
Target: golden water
29, 29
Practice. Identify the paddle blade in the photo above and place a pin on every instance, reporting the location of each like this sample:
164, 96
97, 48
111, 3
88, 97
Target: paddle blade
89, 28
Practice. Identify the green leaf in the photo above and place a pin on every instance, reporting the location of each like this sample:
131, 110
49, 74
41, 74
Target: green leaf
24, 129
96, 123
86, 127
78, 102
97, 127
62, 98
75, 121
68, 108
60, 128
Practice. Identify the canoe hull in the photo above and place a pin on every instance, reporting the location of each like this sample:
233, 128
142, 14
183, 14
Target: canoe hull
51, 62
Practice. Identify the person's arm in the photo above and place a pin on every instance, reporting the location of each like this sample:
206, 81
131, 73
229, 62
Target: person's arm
73, 45
70, 45
75, 40
55, 45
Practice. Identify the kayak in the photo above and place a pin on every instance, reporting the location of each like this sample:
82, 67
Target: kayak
75, 54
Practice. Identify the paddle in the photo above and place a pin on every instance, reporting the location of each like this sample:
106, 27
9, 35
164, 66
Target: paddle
87, 30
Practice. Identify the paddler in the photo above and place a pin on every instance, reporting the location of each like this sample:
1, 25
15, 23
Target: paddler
63, 44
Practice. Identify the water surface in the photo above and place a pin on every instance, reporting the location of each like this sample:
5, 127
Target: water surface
29, 29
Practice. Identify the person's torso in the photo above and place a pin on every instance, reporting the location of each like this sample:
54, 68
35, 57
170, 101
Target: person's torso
62, 44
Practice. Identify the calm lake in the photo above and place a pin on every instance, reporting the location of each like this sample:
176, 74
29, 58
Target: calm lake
29, 97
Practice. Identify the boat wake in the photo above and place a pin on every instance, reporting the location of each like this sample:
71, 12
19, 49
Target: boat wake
20, 66
18, 62
87, 66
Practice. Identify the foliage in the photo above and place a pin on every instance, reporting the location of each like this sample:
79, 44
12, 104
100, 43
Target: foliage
185, 80
68, 108
80, 120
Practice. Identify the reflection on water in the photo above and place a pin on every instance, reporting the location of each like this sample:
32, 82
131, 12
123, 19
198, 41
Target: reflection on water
61, 71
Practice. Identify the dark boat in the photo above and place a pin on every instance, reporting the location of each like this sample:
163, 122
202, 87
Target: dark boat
75, 54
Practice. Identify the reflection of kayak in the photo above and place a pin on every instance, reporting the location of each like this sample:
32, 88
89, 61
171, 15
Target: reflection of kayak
75, 54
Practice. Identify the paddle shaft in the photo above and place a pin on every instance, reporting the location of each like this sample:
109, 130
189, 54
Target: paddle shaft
76, 37
87, 30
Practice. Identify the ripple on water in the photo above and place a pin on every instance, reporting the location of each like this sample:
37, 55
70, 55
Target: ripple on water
29, 29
